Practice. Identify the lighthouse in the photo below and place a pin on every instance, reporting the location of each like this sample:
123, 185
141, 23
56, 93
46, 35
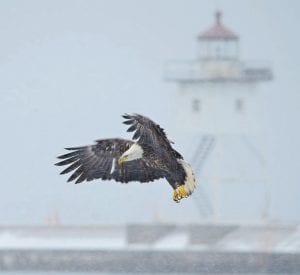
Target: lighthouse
216, 115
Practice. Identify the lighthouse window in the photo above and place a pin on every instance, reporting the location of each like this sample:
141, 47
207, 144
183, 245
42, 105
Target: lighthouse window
196, 105
239, 105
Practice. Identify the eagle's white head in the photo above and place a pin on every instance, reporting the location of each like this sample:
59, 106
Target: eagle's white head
134, 152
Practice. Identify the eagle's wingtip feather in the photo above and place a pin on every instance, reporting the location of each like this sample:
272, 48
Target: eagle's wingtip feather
126, 116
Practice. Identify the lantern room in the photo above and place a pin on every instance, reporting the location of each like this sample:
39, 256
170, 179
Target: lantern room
218, 42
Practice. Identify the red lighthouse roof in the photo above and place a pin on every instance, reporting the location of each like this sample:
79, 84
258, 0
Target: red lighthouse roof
218, 30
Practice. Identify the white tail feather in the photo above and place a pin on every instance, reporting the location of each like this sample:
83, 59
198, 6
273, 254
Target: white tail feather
190, 181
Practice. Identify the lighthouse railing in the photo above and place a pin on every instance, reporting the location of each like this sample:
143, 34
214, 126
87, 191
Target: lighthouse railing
193, 70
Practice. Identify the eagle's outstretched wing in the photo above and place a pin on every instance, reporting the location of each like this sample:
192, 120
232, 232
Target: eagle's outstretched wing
101, 161
147, 132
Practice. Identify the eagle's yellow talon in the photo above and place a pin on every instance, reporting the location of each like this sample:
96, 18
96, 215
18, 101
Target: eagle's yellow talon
182, 192
175, 196
179, 193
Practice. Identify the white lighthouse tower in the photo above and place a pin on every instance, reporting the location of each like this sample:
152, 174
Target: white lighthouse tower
216, 115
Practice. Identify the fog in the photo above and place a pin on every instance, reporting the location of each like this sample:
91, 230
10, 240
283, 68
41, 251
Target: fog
70, 69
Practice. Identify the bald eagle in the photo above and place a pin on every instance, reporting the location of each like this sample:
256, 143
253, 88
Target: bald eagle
149, 156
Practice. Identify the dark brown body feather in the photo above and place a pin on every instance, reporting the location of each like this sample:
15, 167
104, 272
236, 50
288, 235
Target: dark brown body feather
154, 141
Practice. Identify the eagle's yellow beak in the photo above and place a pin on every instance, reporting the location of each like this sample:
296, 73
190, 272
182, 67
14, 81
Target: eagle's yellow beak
122, 159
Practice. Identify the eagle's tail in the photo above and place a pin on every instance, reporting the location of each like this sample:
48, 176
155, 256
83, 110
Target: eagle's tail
188, 186
190, 181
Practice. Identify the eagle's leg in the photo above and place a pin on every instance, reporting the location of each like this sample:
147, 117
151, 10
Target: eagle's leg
179, 193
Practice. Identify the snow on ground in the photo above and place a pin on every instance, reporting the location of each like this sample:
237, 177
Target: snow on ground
12, 241
240, 238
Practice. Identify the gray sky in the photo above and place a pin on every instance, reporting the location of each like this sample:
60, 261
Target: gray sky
69, 69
